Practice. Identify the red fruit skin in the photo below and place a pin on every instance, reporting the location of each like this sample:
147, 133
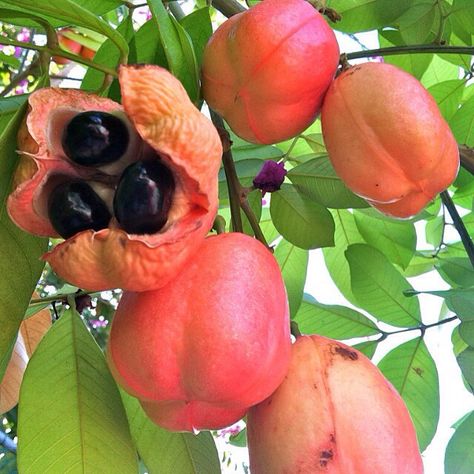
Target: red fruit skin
387, 139
334, 413
266, 70
203, 349
68, 45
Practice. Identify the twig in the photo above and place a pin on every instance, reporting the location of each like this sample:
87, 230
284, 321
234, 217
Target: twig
459, 225
244, 204
467, 158
228, 7
411, 49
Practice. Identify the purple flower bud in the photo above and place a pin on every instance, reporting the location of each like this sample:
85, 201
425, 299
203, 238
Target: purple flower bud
270, 177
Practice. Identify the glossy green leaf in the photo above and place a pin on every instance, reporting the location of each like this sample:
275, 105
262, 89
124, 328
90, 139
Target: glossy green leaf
72, 13
364, 15
293, 263
20, 256
165, 452
242, 150
301, 221
346, 234
378, 287
466, 362
457, 271
412, 371
318, 180
462, 123
440, 70
199, 27
396, 239
266, 224
71, 417
448, 95
178, 48
459, 456
462, 15
334, 321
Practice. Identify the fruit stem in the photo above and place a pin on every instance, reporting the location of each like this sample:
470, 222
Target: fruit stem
228, 7
459, 225
59, 52
219, 224
294, 329
409, 49
233, 184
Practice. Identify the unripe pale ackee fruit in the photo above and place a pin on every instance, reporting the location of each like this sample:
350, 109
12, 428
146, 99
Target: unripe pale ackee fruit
200, 351
387, 140
335, 413
266, 70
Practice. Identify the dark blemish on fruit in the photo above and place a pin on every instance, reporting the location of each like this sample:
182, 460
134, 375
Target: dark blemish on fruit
346, 353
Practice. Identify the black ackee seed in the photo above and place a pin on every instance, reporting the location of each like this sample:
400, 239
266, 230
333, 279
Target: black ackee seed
74, 206
95, 138
143, 197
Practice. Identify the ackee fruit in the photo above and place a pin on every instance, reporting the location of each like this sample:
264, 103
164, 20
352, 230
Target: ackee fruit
387, 140
133, 189
201, 350
266, 70
334, 413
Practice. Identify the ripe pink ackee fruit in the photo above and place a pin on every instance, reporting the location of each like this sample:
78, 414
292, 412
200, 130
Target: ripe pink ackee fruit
266, 70
334, 413
200, 351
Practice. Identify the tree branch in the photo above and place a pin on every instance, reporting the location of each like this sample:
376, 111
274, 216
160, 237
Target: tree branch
459, 225
467, 158
228, 7
411, 49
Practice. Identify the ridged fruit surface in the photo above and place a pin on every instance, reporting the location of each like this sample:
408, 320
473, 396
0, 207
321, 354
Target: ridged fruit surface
335, 413
266, 70
164, 125
387, 139
203, 349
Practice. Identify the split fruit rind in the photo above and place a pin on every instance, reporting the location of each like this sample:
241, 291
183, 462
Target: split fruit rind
163, 124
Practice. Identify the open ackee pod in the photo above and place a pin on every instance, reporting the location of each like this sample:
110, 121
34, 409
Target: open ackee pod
162, 123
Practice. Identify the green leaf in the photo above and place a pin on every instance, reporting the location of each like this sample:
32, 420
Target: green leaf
462, 123
97, 7
440, 70
303, 222
462, 16
20, 257
293, 263
466, 362
458, 300
457, 271
165, 452
337, 322
255, 202
459, 456
73, 13
419, 264
448, 96
466, 331
107, 55
412, 371
337, 265
242, 150
378, 287
416, 23
396, 239
434, 231
367, 348
178, 49
364, 15
71, 417
266, 224
199, 27
415, 64
318, 180
246, 171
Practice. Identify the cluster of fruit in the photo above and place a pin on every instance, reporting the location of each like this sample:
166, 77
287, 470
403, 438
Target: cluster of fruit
201, 334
